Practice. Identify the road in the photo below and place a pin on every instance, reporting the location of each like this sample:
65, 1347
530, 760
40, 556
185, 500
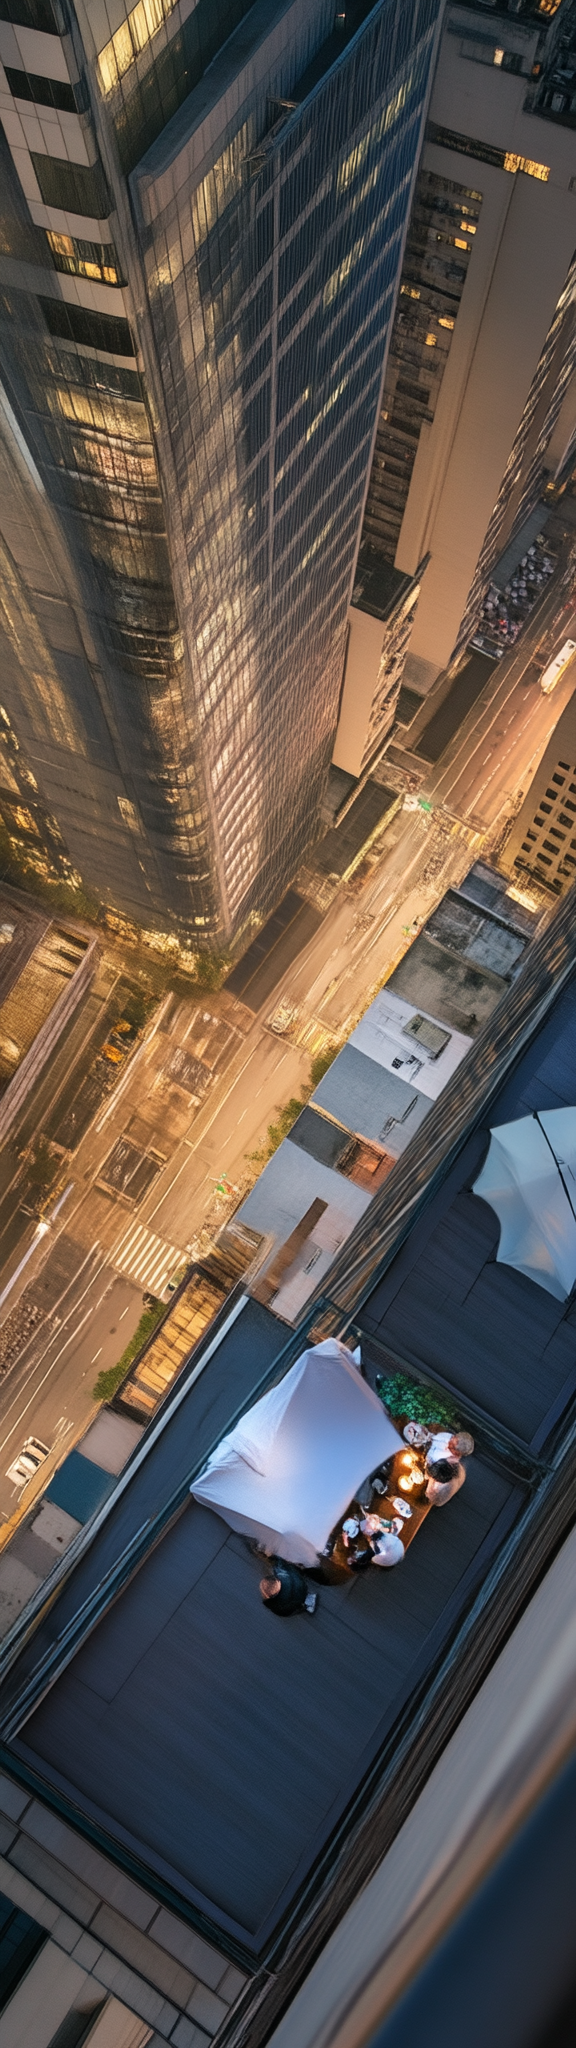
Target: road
49, 1393
330, 982
497, 749
361, 938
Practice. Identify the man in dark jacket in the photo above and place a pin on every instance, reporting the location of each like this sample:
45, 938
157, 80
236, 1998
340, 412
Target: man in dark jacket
285, 1589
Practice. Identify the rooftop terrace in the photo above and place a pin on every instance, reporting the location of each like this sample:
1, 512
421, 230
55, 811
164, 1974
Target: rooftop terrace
225, 1758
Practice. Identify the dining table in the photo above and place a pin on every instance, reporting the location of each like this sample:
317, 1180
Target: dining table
387, 1488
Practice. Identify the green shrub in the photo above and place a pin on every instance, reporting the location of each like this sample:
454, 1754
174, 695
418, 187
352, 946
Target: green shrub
276, 1132
210, 970
319, 1066
286, 1116
403, 1396
109, 1381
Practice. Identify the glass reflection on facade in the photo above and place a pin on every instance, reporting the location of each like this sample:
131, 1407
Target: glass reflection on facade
196, 301
271, 285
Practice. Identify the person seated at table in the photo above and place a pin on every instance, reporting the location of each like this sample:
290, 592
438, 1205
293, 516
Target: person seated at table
445, 1476
285, 1589
446, 1444
388, 1550
416, 1435
359, 1554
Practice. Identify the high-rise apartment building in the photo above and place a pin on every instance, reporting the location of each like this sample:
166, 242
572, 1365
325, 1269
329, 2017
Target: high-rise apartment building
478, 406
204, 218
541, 846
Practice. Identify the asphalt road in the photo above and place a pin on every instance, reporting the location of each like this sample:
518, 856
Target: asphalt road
265, 1073
496, 750
330, 981
49, 1393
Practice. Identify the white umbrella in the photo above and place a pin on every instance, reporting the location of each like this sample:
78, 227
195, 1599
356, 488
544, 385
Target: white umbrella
529, 1179
286, 1473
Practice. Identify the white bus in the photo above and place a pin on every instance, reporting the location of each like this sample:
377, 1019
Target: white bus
556, 667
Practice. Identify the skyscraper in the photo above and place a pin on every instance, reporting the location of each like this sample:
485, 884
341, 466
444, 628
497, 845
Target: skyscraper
478, 404
204, 227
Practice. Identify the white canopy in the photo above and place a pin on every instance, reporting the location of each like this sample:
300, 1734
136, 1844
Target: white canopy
287, 1472
529, 1179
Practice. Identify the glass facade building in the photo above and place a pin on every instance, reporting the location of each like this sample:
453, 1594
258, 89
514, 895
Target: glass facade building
202, 244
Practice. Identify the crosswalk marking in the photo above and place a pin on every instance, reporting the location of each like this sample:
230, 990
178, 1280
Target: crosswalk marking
146, 1258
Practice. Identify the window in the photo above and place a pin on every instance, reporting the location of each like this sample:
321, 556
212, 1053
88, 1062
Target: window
30, 14
84, 259
502, 159
526, 163
20, 1940
133, 35
45, 92
76, 188
94, 330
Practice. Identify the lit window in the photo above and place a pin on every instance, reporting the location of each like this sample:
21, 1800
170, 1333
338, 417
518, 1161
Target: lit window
430, 340
84, 259
24, 820
498, 57
525, 163
132, 36
458, 244
468, 226
445, 321
408, 291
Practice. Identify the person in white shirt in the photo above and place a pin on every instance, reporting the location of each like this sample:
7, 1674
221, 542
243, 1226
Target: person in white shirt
445, 1444
445, 1477
388, 1550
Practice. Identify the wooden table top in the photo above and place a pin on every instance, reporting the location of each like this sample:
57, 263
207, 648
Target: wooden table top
338, 1565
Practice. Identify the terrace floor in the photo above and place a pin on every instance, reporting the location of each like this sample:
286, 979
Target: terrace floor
216, 1743
446, 1306
221, 1743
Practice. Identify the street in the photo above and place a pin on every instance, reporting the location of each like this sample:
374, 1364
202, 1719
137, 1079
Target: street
497, 748
49, 1393
158, 1170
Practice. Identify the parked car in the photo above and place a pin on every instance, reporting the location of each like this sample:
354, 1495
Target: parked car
29, 1460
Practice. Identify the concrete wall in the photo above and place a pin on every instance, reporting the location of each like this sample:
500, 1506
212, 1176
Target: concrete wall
561, 747
365, 636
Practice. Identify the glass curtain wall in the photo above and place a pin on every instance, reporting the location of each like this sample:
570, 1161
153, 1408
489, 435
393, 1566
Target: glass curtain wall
271, 285
196, 379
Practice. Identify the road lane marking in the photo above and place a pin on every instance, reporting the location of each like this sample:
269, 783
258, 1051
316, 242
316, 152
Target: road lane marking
55, 1361
146, 1258
36, 1362
97, 1354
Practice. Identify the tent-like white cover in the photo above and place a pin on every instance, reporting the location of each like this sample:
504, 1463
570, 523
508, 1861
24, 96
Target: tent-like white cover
289, 1469
529, 1179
